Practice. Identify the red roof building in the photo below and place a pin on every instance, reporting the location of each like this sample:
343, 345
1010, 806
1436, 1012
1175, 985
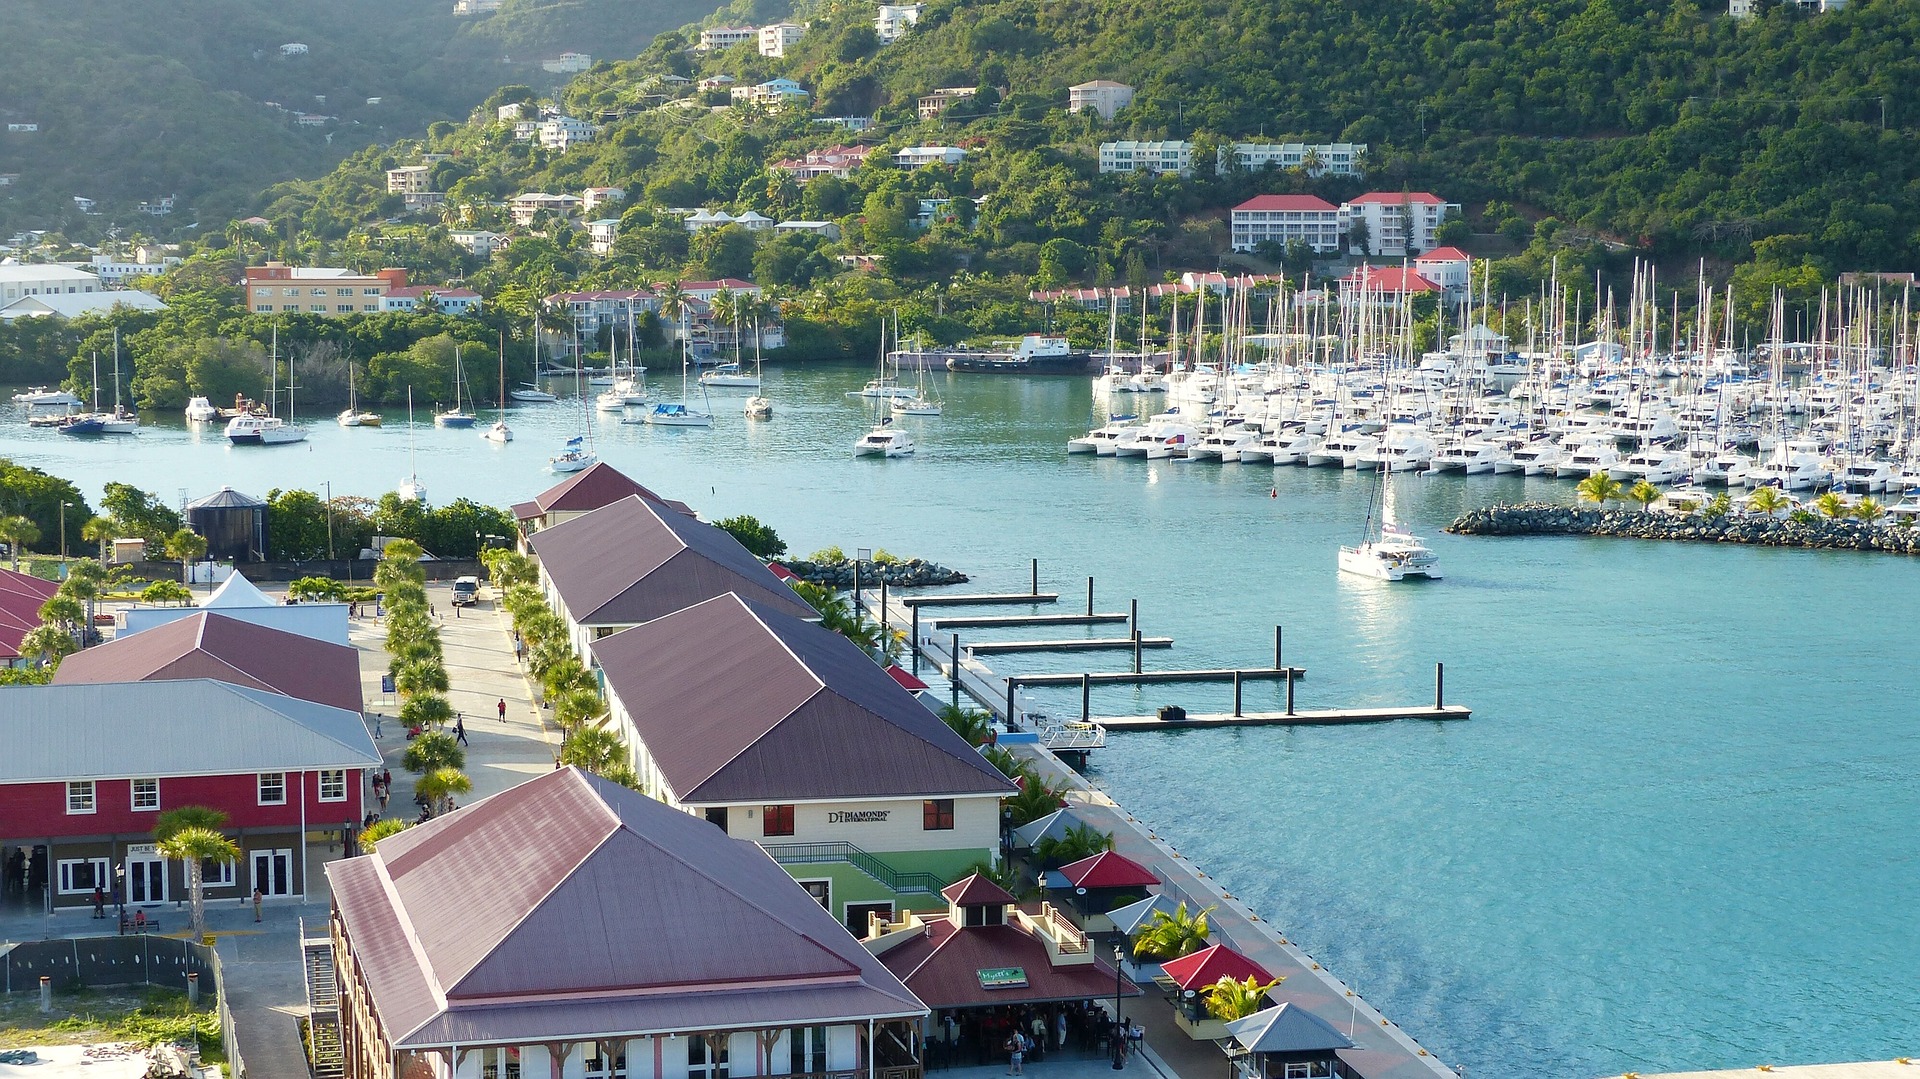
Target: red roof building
1210, 964
1448, 267
1283, 219
597, 485
1396, 223
837, 161
1108, 870
21, 596
987, 951
211, 645
569, 925
1383, 286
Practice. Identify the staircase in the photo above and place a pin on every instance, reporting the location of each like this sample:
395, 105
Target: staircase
897, 881
323, 1007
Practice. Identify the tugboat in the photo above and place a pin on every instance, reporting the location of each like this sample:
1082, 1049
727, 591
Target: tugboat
1036, 355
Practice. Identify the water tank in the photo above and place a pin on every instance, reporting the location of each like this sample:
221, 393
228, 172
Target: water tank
234, 525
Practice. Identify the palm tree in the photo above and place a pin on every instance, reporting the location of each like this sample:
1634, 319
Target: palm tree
1644, 493
1036, 799
1170, 936
1231, 999
1079, 841
433, 749
673, 300
62, 609
103, 531
1599, 488
1869, 510
48, 644
575, 706
191, 834
440, 785
1720, 505
1831, 506
18, 532
186, 547
427, 711
1768, 501
420, 676
726, 308
969, 723
378, 830
595, 749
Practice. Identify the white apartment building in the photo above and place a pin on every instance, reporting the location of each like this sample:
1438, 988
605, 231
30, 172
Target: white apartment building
919, 157
44, 279
601, 233
1284, 218
1154, 157
1103, 96
593, 198
775, 39
478, 242
1319, 159
892, 20
449, 299
932, 105
726, 37
409, 178
562, 132
523, 207
567, 63
773, 93
1398, 223
112, 271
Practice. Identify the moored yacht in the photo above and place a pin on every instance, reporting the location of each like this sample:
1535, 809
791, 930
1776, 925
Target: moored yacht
201, 410
884, 441
1395, 556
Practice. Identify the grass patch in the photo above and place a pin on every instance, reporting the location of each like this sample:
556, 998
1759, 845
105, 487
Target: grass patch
142, 1014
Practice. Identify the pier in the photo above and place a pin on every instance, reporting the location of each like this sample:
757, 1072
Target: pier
1071, 644
1015, 621
1300, 717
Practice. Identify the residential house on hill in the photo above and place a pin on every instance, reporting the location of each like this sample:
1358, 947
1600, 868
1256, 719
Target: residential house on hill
919, 157
450, 299
1281, 219
787, 734
1102, 96
775, 39
837, 161
726, 37
610, 937
1397, 222
892, 20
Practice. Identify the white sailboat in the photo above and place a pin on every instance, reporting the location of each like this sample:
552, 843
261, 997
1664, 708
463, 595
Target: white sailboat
759, 406
681, 413
500, 432
122, 420
1392, 553
919, 404
456, 416
353, 415
531, 393
578, 454
884, 440
268, 430
411, 489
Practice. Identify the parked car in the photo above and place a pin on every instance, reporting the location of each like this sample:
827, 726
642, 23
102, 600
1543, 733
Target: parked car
466, 591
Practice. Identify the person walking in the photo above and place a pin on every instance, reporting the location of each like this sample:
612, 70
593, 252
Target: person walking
259, 897
99, 902
460, 729
1060, 1030
1016, 1052
502, 707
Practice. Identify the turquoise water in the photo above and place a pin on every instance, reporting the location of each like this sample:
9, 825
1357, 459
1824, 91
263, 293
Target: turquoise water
1677, 832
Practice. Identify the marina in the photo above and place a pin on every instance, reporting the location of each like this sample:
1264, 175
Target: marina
1476, 879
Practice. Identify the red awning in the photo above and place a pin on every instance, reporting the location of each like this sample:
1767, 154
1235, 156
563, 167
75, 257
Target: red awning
1208, 965
1108, 870
906, 680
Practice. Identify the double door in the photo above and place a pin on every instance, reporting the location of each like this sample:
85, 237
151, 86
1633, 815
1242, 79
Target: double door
273, 872
146, 875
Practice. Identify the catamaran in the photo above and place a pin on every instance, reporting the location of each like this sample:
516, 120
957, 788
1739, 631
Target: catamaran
1392, 553
884, 441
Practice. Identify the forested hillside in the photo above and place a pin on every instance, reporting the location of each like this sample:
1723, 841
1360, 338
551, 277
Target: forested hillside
142, 102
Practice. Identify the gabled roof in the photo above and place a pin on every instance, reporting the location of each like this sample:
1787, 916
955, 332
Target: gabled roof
1208, 965
1052, 826
1108, 870
193, 727
943, 967
557, 945
21, 596
599, 484
976, 891
738, 702
237, 591
211, 645
1288, 202
1444, 254
1288, 1028
1131, 918
1397, 198
1387, 280
635, 560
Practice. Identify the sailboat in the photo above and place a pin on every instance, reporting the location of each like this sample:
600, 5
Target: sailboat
352, 416
682, 414
884, 440
1391, 553
759, 406
500, 432
87, 423
455, 416
411, 489
531, 393
122, 420
268, 430
919, 404
578, 455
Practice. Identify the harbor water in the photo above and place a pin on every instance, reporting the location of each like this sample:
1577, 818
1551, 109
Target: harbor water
1677, 832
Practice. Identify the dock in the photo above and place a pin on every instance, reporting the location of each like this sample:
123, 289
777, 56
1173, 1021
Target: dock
1148, 678
1302, 717
1016, 621
1072, 644
982, 599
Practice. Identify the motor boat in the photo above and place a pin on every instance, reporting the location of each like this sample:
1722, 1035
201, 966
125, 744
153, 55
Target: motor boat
40, 396
84, 424
884, 441
758, 408
262, 431
1395, 556
201, 410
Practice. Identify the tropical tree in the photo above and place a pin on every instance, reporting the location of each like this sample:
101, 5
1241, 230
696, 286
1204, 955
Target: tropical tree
186, 547
191, 834
102, 531
1035, 799
380, 829
1768, 501
756, 536
63, 609
575, 706
427, 711
48, 644
969, 723
564, 674
1231, 999
1077, 842
1718, 506
1869, 510
1831, 506
1599, 489
440, 785
1172, 935
1644, 493
18, 532
431, 750
420, 676
595, 749
165, 592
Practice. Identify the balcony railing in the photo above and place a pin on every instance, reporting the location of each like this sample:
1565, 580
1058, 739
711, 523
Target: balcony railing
899, 881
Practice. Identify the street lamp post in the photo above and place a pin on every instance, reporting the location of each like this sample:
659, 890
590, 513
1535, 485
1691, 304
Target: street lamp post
329, 510
63, 537
1119, 1031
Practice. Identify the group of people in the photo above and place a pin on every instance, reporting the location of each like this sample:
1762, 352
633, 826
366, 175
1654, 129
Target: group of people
1024, 1034
382, 787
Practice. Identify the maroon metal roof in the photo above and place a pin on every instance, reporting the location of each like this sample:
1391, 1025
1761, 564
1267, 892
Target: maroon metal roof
20, 598
737, 702
210, 645
597, 485
1208, 965
633, 561
943, 968
1108, 870
976, 890
542, 912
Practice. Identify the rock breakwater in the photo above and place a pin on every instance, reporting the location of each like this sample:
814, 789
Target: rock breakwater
906, 573
1817, 533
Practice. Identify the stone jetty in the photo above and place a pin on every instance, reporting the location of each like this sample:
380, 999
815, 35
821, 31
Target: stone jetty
905, 573
1818, 533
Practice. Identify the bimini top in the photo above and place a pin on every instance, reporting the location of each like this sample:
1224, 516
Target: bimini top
570, 908
738, 703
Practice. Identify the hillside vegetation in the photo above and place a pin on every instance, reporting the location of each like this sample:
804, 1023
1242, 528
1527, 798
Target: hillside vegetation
170, 99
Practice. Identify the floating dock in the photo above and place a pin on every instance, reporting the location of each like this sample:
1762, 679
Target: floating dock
1081, 644
1148, 678
1302, 717
984, 599
1016, 621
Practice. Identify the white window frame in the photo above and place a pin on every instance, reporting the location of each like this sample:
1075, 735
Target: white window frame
134, 796
334, 779
261, 788
81, 797
217, 874
102, 875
